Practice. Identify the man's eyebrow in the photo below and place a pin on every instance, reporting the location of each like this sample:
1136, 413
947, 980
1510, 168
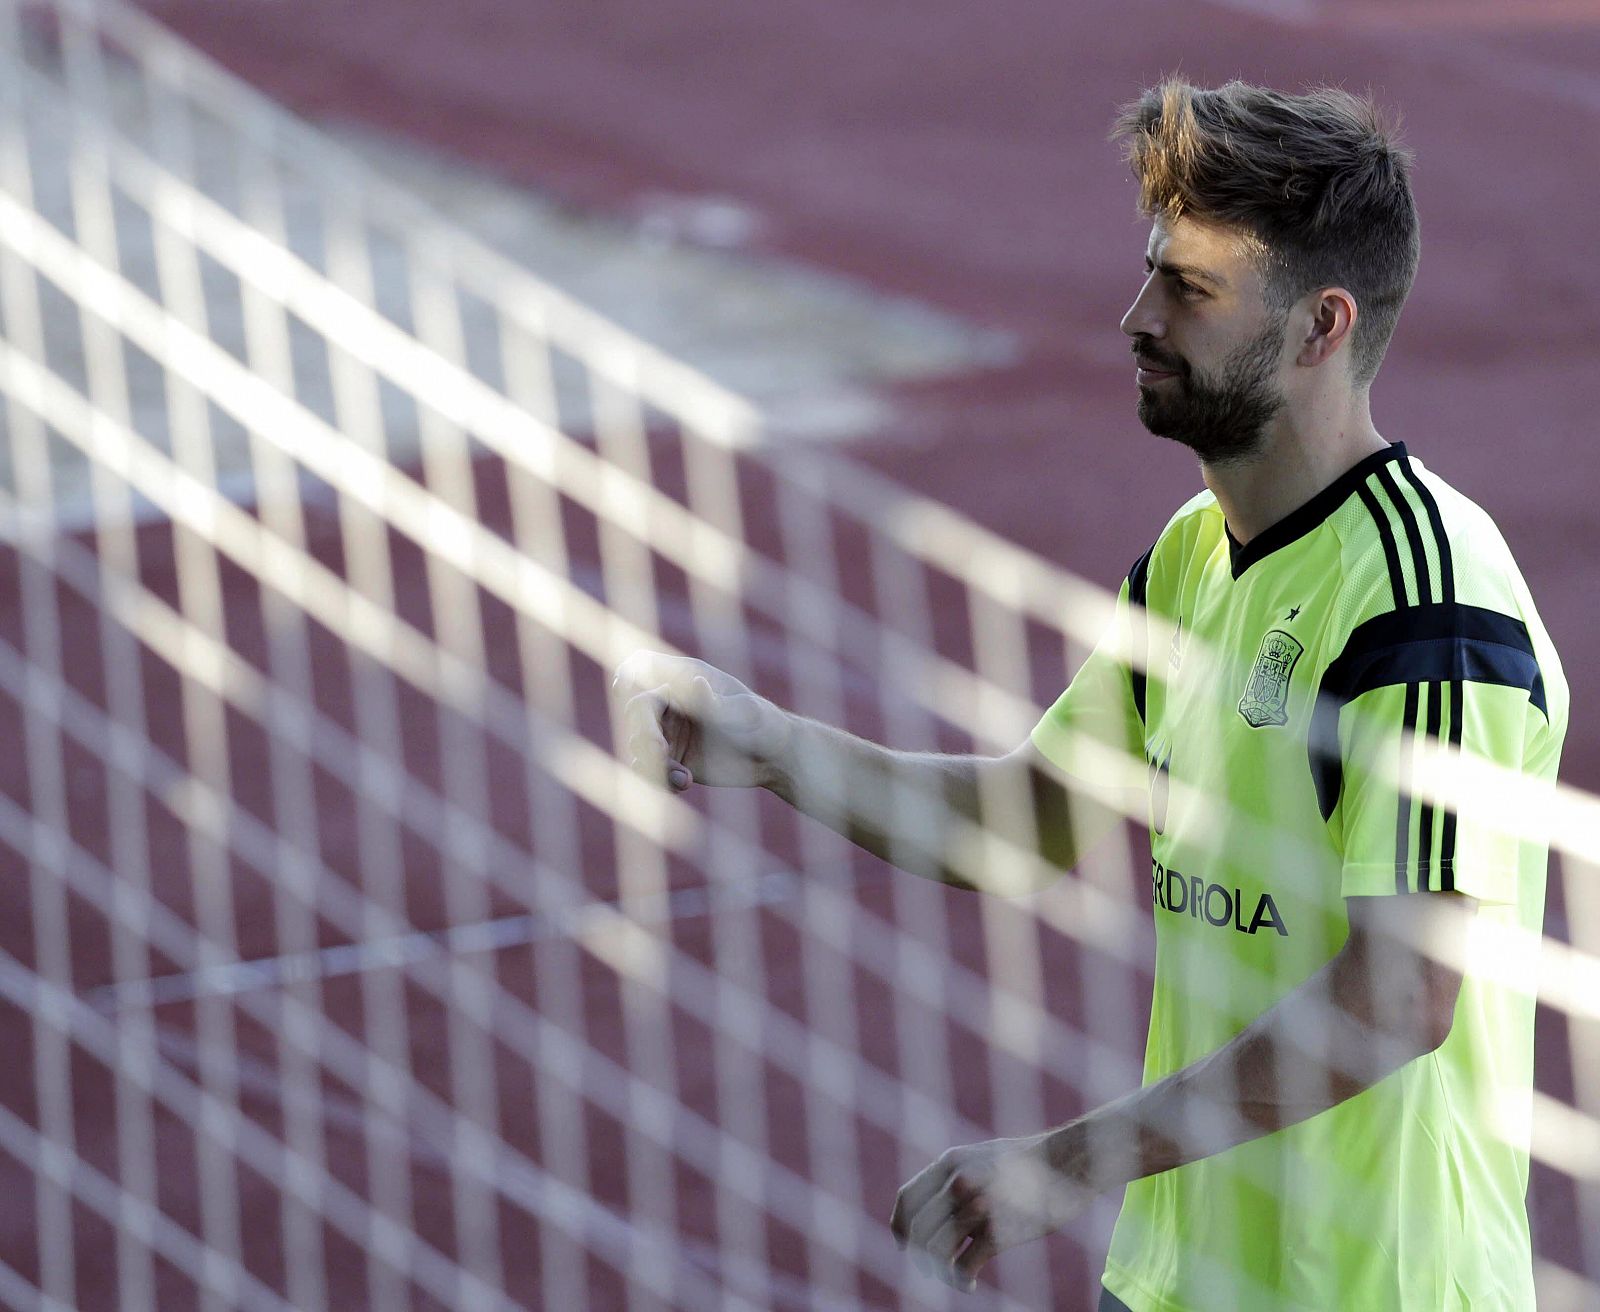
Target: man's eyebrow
1188, 271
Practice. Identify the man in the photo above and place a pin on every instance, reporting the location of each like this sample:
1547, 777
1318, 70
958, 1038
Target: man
1322, 1122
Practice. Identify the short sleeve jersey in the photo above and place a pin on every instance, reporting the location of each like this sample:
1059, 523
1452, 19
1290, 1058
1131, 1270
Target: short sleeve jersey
1282, 681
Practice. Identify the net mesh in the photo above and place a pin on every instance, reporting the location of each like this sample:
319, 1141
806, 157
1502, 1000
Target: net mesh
344, 962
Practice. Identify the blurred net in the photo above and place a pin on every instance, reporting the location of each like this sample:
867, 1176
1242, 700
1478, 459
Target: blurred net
344, 963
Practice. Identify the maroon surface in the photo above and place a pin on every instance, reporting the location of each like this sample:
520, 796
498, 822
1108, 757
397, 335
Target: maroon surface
956, 152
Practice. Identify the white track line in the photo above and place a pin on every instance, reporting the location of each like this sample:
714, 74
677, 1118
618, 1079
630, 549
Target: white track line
405, 949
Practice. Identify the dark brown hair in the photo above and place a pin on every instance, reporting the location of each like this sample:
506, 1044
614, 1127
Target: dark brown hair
1318, 183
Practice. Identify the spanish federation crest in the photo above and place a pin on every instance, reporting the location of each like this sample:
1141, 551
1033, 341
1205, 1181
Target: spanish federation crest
1266, 696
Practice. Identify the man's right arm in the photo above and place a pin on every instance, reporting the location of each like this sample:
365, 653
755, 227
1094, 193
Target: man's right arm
992, 824
995, 824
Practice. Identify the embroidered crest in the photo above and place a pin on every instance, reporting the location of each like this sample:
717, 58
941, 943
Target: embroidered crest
1266, 696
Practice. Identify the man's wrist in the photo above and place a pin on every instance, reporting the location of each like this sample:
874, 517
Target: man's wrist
1066, 1152
1097, 1152
775, 770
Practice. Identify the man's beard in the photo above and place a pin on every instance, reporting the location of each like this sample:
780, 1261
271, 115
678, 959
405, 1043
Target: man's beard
1223, 417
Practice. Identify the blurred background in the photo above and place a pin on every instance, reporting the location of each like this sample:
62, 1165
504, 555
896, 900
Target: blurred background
378, 374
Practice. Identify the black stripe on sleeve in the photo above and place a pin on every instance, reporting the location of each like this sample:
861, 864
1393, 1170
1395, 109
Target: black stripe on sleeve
1402, 819
1138, 590
1420, 644
1447, 837
1327, 765
1447, 589
1425, 823
1436, 642
1424, 591
1447, 580
1408, 522
1391, 553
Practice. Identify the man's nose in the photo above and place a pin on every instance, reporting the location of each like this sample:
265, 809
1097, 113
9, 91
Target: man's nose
1144, 318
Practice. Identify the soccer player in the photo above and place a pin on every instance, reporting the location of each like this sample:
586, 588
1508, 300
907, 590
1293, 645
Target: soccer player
1332, 1074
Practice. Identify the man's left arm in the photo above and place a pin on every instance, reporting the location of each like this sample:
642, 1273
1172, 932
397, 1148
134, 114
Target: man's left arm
1386, 998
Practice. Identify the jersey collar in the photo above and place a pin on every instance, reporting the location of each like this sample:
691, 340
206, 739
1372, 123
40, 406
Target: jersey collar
1300, 521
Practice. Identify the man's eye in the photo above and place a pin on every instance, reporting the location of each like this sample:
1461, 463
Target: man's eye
1189, 289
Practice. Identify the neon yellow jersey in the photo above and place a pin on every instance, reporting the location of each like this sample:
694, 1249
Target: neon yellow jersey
1278, 677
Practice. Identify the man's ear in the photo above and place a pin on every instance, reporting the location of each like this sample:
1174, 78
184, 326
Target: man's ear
1333, 318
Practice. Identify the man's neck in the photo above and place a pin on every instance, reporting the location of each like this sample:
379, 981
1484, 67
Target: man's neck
1294, 464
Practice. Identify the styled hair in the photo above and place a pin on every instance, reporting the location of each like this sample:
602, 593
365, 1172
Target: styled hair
1318, 184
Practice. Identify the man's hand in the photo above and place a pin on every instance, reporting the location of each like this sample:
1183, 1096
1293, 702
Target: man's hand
684, 720
979, 1200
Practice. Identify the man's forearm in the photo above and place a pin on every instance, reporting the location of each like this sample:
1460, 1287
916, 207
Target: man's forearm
994, 824
1225, 1099
1352, 1024
909, 808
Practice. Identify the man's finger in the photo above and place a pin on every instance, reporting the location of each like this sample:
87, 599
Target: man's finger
898, 1218
680, 678
648, 719
640, 670
644, 707
965, 1211
933, 1216
979, 1251
913, 1196
945, 1242
641, 718
645, 742
677, 730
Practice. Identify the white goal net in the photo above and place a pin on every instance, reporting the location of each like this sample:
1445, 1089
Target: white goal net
343, 963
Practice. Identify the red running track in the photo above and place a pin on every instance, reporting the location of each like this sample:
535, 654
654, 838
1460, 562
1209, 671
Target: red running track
957, 153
